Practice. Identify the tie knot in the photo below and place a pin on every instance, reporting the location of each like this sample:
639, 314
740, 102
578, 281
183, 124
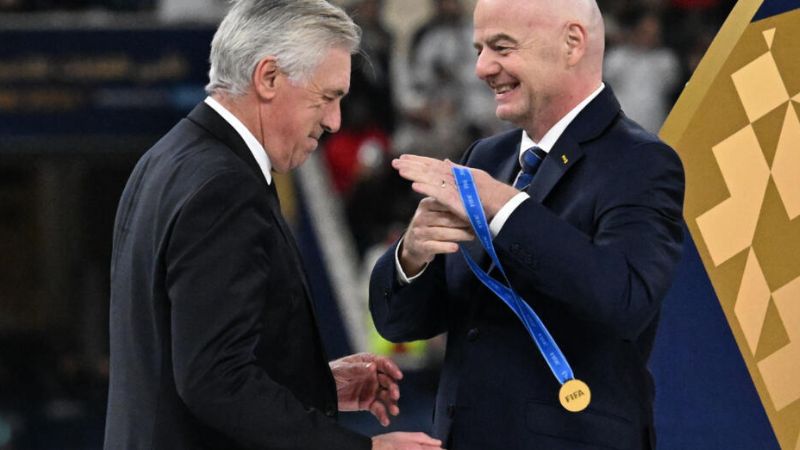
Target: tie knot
531, 158
529, 162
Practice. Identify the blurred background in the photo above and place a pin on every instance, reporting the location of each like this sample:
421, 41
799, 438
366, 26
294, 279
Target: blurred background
86, 86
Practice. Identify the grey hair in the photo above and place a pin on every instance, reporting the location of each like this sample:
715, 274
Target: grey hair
298, 33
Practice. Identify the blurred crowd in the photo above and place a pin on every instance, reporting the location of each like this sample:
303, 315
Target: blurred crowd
425, 100
74, 5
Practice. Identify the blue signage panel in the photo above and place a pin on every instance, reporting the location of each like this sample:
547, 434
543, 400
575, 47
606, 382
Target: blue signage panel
57, 83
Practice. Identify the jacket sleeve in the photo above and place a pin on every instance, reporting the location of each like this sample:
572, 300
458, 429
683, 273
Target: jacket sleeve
617, 275
414, 311
218, 263
409, 312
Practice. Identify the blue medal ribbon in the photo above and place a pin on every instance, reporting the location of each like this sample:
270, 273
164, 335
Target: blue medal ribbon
544, 341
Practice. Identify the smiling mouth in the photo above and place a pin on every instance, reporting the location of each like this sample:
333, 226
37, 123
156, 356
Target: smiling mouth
500, 89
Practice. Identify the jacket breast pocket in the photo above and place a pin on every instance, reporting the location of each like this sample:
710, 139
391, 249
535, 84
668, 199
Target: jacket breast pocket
589, 429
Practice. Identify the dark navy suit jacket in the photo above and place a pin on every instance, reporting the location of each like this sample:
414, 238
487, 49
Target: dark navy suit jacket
214, 342
593, 252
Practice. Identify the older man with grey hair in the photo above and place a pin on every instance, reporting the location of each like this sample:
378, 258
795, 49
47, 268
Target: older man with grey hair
214, 338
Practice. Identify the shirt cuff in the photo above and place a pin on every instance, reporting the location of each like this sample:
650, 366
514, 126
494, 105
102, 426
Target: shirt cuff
402, 278
505, 212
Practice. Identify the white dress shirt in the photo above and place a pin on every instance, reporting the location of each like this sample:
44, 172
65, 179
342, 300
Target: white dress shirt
548, 141
252, 143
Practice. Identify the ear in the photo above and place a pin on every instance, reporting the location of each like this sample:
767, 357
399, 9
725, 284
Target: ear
265, 78
575, 43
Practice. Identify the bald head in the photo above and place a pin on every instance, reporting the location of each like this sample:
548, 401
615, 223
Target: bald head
587, 14
554, 16
542, 57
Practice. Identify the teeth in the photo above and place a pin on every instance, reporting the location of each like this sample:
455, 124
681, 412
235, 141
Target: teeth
503, 89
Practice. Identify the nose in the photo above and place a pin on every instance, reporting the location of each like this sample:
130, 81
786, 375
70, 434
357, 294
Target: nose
332, 120
486, 66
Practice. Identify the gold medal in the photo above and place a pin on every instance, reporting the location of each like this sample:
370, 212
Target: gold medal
575, 395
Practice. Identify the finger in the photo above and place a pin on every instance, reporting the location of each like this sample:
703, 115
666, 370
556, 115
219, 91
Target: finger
428, 175
419, 158
391, 388
444, 220
379, 411
424, 439
447, 197
439, 248
431, 204
388, 402
386, 382
402, 164
444, 234
431, 171
388, 367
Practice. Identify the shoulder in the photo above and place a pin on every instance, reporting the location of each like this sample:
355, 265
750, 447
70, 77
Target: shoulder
188, 165
189, 155
626, 139
627, 155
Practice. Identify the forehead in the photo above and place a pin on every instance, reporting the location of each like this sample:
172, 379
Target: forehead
516, 19
333, 71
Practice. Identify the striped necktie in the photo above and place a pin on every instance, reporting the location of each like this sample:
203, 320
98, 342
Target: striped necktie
530, 160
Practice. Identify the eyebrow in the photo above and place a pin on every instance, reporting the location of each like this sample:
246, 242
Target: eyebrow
335, 92
493, 40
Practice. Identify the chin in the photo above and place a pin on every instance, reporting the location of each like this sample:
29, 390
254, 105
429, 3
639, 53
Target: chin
300, 161
508, 114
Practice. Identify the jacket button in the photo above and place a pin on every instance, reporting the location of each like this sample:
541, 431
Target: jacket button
386, 293
451, 411
472, 334
330, 412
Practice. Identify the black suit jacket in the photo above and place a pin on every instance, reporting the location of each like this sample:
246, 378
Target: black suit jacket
214, 343
593, 252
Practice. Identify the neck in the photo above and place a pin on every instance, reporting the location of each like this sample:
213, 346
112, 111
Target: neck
242, 107
558, 108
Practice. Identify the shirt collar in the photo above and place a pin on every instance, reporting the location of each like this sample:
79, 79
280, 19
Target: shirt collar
553, 134
252, 143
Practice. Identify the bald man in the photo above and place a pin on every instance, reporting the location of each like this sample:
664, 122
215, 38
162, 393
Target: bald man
590, 242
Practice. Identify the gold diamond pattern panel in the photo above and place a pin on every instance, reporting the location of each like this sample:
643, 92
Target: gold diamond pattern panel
737, 129
752, 301
780, 369
729, 227
786, 168
760, 87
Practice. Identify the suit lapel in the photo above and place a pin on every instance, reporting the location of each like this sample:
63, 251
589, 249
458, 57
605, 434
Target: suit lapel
289, 236
561, 158
507, 170
598, 115
205, 117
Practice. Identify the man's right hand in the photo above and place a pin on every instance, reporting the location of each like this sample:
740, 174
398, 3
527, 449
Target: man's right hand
405, 441
433, 230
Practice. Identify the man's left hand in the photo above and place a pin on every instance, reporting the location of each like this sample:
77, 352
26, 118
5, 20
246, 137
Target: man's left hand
366, 382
